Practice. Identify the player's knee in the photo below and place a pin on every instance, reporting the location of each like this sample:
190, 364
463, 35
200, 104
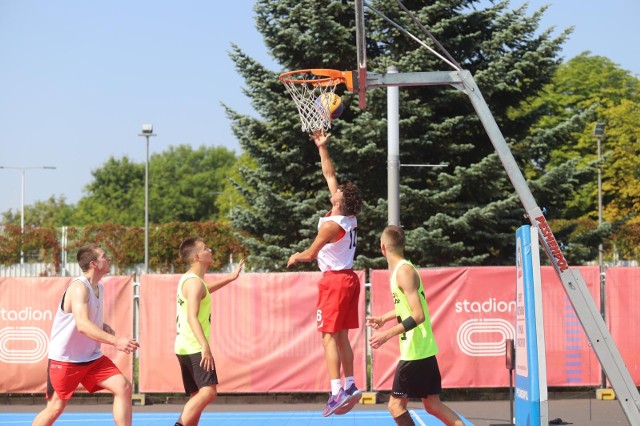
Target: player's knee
56, 407
127, 388
433, 404
209, 393
120, 386
328, 340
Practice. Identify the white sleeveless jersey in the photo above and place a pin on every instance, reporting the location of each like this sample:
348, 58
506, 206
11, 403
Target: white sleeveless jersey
339, 255
67, 344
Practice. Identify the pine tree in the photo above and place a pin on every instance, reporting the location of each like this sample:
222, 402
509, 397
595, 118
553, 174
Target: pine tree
463, 214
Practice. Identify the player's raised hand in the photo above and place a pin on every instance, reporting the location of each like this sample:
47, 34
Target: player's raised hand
319, 138
236, 272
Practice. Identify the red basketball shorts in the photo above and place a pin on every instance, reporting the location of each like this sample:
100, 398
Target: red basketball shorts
338, 294
64, 377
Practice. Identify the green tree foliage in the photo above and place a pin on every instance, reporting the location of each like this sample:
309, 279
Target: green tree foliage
187, 190
585, 90
184, 184
115, 195
52, 212
231, 198
621, 166
187, 182
125, 244
465, 213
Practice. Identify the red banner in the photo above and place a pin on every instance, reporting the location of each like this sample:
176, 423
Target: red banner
263, 334
623, 316
570, 360
472, 314
28, 306
264, 337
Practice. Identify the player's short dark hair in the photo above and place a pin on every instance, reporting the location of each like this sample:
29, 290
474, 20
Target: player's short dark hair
351, 198
188, 249
394, 237
87, 254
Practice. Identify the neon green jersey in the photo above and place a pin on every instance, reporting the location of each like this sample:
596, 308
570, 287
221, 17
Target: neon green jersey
186, 342
418, 343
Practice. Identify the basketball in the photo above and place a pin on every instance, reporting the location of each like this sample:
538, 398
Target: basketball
332, 103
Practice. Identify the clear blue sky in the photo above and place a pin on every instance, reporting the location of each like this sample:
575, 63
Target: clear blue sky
78, 78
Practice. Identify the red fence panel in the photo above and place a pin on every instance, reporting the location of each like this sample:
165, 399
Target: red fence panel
623, 315
264, 337
263, 334
27, 309
473, 313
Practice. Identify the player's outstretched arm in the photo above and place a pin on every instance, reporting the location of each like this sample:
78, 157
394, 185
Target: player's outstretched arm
326, 233
217, 285
328, 170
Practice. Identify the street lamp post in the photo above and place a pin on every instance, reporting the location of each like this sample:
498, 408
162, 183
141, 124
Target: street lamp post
598, 133
147, 132
23, 169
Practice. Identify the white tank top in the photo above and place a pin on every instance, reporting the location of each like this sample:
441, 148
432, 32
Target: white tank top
339, 255
67, 344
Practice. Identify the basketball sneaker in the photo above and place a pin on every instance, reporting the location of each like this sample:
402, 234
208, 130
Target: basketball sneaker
354, 395
335, 402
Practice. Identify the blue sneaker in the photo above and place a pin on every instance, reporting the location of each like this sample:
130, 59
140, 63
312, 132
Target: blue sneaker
354, 395
335, 402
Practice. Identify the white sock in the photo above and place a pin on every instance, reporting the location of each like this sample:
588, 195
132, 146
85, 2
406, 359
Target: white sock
348, 381
335, 386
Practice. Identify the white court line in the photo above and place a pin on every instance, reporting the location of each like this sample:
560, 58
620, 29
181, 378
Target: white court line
417, 417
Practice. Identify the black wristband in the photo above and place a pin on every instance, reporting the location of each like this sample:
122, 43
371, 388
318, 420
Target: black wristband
409, 324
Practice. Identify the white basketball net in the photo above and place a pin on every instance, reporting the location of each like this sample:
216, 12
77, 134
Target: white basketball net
305, 88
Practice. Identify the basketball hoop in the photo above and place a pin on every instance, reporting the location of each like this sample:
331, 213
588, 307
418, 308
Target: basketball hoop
306, 86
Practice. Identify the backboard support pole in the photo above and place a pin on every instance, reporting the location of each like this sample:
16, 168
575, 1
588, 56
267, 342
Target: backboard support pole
571, 278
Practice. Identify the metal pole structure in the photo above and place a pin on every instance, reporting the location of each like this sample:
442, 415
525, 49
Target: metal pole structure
598, 132
146, 210
393, 151
147, 131
22, 185
22, 218
572, 281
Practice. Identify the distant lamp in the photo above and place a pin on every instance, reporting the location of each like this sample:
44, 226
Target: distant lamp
147, 131
598, 130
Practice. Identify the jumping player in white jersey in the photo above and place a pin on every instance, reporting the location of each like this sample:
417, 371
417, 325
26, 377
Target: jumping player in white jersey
74, 349
338, 291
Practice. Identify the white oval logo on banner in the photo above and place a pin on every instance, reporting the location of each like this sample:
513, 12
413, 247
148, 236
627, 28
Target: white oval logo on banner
33, 340
472, 337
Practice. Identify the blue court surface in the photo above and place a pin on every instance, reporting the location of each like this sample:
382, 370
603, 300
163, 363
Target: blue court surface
265, 418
